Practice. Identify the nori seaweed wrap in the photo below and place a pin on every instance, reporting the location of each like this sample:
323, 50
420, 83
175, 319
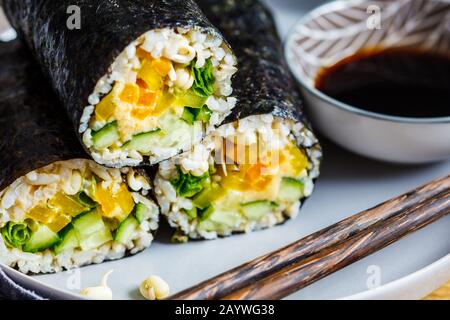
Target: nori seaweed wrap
255, 170
142, 80
58, 209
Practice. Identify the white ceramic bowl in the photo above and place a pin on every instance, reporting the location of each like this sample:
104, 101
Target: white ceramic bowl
341, 28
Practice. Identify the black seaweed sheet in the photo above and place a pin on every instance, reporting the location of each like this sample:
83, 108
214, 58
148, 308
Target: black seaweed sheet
263, 83
75, 60
34, 132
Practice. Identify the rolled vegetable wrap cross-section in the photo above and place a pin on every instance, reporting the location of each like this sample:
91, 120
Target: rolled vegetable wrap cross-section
59, 210
142, 80
255, 170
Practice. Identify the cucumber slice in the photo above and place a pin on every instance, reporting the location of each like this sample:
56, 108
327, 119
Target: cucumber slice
290, 190
192, 214
85, 200
42, 238
96, 240
219, 220
207, 225
189, 99
230, 219
106, 136
196, 114
126, 229
173, 132
141, 212
91, 231
69, 240
91, 189
188, 116
205, 214
176, 131
203, 114
208, 196
88, 222
143, 142
256, 210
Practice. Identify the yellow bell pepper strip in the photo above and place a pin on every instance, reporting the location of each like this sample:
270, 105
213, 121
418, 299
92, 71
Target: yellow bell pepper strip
118, 204
130, 93
105, 108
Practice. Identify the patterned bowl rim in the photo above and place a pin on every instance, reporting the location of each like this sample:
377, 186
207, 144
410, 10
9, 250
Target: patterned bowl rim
332, 6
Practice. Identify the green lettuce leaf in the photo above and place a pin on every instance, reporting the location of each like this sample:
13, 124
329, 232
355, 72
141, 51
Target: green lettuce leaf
16, 234
188, 185
203, 79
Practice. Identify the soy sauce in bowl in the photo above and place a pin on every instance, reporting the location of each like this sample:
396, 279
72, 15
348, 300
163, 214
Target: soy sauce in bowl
396, 82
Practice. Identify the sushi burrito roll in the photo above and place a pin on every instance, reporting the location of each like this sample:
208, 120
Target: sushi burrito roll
58, 209
258, 167
142, 80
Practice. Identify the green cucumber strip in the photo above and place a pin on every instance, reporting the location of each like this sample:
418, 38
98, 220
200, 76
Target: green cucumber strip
192, 214
85, 200
141, 212
203, 114
95, 240
190, 99
208, 196
208, 225
42, 238
256, 210
206, 213
91, 231
291, 190
143, 142
222, 218
188, 116
126, 230
88, 222
69, 240
106, 136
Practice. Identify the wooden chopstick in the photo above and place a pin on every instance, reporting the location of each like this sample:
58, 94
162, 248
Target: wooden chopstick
302, 273
246, 274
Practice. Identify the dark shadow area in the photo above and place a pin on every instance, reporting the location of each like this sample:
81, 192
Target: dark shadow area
165, 232
295, 6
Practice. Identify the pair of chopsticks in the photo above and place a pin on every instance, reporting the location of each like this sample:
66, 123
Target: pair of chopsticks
286, 270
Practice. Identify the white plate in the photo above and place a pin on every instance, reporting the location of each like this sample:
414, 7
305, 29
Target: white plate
410, 268
348, 185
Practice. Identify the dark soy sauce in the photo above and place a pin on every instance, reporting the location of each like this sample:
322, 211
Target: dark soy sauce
405, 83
